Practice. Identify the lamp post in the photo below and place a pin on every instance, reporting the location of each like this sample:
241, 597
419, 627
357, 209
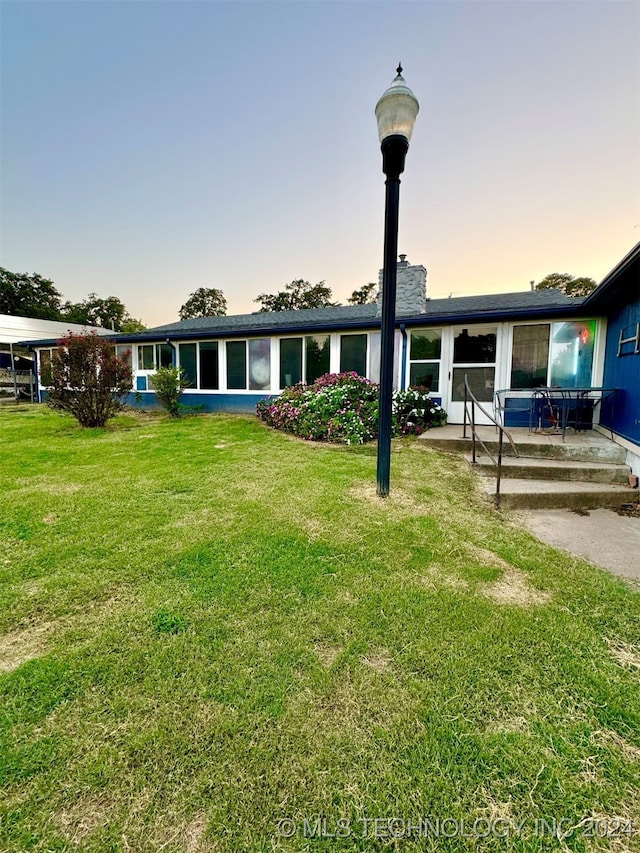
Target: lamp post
396, 113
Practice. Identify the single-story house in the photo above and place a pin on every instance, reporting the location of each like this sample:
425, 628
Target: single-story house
512, 343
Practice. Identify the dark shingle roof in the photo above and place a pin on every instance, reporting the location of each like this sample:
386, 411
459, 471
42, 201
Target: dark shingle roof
523, 304
364, 316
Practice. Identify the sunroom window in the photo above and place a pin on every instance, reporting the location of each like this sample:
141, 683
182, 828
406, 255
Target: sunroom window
530, 356
259, 364
152, 356
124, 352
209, 380
553, 355
304, 359
146, 356
317, 356
572, 353
188, 363
290, 361
353, 354
425, 350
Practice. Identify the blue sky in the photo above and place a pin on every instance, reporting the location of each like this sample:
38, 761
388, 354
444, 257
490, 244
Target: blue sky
151, 148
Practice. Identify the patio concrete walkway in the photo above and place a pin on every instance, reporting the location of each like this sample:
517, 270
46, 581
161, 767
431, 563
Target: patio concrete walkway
602, 536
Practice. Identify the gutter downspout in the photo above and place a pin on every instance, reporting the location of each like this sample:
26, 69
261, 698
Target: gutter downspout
403, 368
174, 359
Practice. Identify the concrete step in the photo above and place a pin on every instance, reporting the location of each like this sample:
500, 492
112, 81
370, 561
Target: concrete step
582, 448
548, 494
529, 468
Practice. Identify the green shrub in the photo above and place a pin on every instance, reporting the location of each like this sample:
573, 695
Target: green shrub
168, 383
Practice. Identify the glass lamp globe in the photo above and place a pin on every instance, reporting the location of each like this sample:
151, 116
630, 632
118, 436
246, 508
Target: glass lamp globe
397, 109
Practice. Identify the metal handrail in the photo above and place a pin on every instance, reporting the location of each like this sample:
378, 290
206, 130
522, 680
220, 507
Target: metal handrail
469, 397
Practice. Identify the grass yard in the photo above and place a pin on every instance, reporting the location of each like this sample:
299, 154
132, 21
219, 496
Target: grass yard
215, 637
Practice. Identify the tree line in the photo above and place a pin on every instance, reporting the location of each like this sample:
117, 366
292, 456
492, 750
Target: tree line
36, 296
25, 295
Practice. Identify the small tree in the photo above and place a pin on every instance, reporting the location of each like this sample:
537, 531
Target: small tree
87, 380
297, 294
168, 383
567, 284
365, 295
204, 302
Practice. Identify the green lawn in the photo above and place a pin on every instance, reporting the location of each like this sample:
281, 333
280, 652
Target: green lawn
211, 633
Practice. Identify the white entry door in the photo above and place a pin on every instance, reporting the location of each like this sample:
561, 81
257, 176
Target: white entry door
475, 356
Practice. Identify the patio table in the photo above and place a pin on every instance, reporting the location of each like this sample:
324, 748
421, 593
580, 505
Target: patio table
568, 407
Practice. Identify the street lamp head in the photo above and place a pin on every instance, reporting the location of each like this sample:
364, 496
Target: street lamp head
397, 109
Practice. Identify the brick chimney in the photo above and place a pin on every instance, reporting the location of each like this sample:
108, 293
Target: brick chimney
411, 289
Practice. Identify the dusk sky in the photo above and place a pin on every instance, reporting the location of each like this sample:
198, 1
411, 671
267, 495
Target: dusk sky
151, 148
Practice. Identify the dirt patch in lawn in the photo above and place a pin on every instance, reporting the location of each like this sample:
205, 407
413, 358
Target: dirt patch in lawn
84, 817
625, 654
48, 485
327, 654
396, 499
607, 737
378, 659
20, 646
436, 576
33, 640
487, 558
514, 588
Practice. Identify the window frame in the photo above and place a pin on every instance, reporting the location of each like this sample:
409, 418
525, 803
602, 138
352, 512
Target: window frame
411, 361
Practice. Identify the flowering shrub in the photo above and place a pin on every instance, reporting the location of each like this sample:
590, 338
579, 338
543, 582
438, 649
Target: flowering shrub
86, 379
414, 411
343, 407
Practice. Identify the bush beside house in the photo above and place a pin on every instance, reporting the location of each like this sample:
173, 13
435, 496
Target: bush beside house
86, 379
343, 407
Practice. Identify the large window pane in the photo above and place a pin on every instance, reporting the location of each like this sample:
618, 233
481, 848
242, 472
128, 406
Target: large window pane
475, 346
353, 354
165, 355
425, 374
188, 363
124, 352
236, 364
572, 354
530, 356
145, 357
44, 357
260, 364
425, 344
317, 353
374, 356
290, 361
481, 382
209, 366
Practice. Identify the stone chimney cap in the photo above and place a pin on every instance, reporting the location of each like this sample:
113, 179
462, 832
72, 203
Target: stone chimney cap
403, 259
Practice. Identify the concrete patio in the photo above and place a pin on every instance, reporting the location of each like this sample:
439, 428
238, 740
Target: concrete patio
582, 470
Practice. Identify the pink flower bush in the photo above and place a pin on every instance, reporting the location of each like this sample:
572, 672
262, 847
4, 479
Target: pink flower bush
343, 407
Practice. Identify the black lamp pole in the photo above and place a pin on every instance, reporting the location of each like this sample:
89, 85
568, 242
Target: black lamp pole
394, 150
396, 113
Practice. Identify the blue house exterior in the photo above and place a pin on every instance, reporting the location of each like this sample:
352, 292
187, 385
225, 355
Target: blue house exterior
618, 299
508, 345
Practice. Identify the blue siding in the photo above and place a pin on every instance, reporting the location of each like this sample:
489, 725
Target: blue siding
622, 413
204, 402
